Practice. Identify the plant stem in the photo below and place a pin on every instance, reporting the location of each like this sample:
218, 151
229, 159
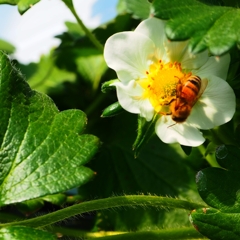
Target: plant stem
106, 203
91, 37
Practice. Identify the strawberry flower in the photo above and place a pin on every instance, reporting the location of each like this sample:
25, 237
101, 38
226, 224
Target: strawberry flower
150, 69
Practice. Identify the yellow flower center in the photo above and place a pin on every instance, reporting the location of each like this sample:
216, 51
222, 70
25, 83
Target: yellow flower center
160, 84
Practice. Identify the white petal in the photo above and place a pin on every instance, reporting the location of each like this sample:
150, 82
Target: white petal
178, 52
215, 107
217, 66
154, 29
128, 53
130, 98
182, 133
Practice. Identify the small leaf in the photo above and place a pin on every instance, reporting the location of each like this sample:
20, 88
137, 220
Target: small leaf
42, 151
30, 206
56, 199
23, 233
112, 110
23, 5
213, 27
106, 86
6, 46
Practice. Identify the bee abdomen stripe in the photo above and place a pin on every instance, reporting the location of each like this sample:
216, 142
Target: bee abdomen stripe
195, 82
194, 89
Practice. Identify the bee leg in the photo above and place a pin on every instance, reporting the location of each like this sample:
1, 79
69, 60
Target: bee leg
171, 125
165, 113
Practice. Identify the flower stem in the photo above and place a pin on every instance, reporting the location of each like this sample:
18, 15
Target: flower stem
106, 203
92, 38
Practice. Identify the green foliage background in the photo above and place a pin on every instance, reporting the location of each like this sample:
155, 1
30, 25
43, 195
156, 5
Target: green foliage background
51, 127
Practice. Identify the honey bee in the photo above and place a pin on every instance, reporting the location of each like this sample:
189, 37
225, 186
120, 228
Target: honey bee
188, 91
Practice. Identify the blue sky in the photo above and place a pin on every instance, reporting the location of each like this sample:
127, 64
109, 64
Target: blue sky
33, 33
106, 8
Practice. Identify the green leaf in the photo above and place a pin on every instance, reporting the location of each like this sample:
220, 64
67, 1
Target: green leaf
74, 29
23, 5
112, 110
56, 199
91, 65
219, 188
213, 27
45, 76
30, 206
139, 8
215, 224
146, 130
106, 86
23, 233
160, 169
42, 152
6, 46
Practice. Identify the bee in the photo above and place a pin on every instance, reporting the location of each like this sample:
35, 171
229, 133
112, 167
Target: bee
188, 91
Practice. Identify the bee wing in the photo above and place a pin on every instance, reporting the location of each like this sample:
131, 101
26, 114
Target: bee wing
204, 83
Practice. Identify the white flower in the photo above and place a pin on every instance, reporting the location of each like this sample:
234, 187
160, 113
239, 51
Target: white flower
151, 70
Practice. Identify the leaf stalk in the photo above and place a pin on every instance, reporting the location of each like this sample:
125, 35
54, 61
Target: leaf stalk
107, 203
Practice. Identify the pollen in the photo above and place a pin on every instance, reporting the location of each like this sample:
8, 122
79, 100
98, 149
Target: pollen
160, 83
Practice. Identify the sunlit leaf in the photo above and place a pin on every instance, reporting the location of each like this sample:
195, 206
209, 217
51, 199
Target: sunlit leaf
42, 151
139, 8
23, 5
213, 27
6, 46
91, 65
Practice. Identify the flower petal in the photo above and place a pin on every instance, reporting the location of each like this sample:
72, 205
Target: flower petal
154, 29
130, 98
179, 52
182, 133
128, 53
217, 66
215, 107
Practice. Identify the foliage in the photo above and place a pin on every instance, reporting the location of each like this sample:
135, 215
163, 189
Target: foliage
219, 32
53, 123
